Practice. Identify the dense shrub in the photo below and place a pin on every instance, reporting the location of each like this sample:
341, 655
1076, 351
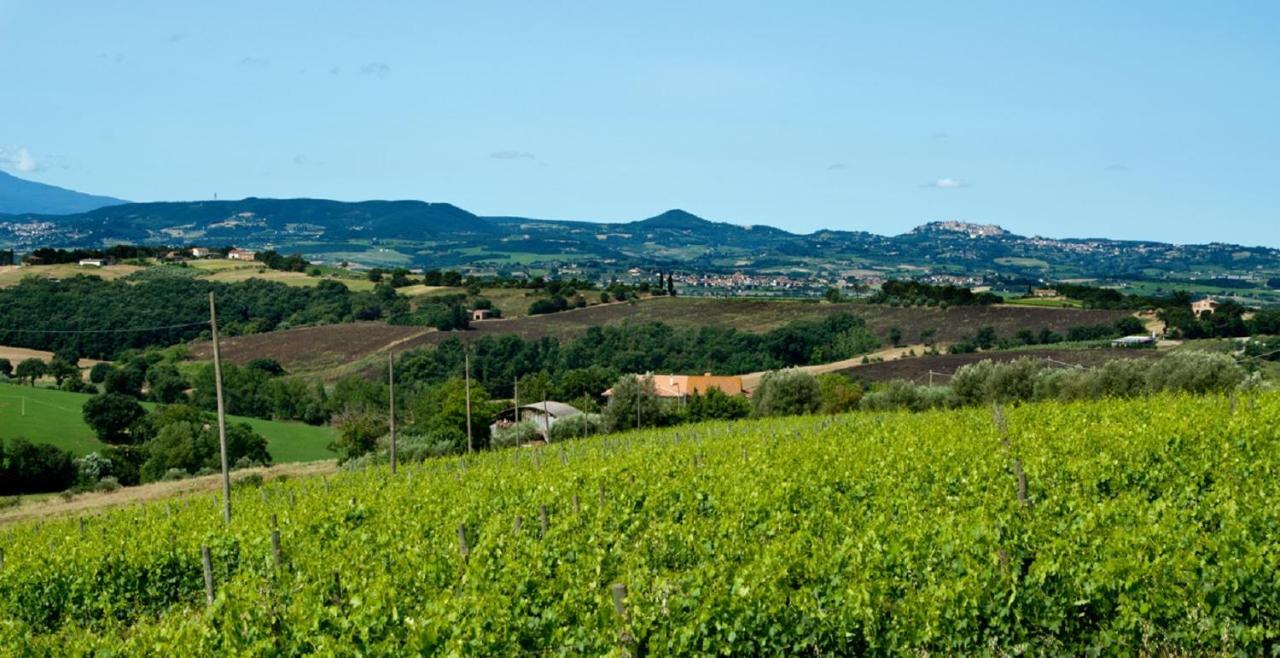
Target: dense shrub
786, 393
27, 467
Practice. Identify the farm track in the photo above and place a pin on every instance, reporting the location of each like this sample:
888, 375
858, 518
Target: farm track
88, 503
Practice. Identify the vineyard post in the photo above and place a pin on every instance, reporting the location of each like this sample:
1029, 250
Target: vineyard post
391, 411
542, 519
207, 563
546, 418
519, 522
1022, 482
462, 542
466, 368
627, 642
275, 548
577, 507
1, 558
222, 411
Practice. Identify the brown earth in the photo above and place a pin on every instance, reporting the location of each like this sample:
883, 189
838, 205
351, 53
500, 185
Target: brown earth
314, 349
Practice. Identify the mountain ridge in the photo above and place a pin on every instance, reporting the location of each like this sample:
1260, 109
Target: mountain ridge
19, 196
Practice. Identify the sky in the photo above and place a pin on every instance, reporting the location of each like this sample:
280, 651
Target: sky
1135, 120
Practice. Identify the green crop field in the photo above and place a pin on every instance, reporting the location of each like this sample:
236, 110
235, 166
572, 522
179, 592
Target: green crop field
1144, 527
43, 415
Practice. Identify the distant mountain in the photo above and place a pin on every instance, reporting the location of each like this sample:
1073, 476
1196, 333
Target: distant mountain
19, 196
443, 235
261, 221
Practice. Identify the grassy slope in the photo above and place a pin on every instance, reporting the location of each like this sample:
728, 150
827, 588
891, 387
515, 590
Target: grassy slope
54, 417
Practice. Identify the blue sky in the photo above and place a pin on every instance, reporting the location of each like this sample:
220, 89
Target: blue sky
1127, 120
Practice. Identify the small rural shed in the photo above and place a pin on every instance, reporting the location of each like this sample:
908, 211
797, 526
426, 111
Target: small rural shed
544, 415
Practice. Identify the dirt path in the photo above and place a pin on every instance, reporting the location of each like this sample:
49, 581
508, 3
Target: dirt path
751, 381
90, 503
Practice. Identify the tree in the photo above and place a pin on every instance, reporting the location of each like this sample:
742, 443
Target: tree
6, 368
440, 412
718, 405
27, 467
111, 415
634, 403
98, 373
895, 336
838, 393
125, 380
166, 384
186, 438
61, 369
671, 285
375, 275
1274, 282
30, 370
787, 393
833, 295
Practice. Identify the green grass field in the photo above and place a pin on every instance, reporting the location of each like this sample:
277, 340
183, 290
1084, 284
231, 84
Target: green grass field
1058, 302
53, 417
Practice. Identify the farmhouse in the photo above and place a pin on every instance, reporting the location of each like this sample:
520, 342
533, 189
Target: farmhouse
199, 252
1044, 292
241, 254
92, 262
1206, 305
679, 387
544, 415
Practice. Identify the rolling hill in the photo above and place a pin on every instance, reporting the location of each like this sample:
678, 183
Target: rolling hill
442, 235
19, 196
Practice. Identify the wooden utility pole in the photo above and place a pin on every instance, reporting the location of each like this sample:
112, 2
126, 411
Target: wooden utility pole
515, 399
391, 396
466, 367
222, 412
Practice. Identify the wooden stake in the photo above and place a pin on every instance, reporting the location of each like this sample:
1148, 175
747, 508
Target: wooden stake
207, 562
518, 524
542, 518
577, 508
620, 600
462, 542
222, 413
275, 548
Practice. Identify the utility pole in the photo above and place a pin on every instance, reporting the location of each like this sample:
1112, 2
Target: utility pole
466, 367
222, 412
639, 394
515, 398
391, 396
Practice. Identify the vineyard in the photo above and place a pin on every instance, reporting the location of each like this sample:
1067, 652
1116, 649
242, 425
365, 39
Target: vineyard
1113, 528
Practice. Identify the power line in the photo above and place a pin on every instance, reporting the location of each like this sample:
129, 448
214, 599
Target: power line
103, 331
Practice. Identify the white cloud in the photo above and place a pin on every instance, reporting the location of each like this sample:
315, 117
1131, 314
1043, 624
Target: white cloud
19, 159
947, 184
512, 155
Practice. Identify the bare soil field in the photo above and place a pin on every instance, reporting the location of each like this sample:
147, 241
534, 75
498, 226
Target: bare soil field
307, 349
916, 369
311, 349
